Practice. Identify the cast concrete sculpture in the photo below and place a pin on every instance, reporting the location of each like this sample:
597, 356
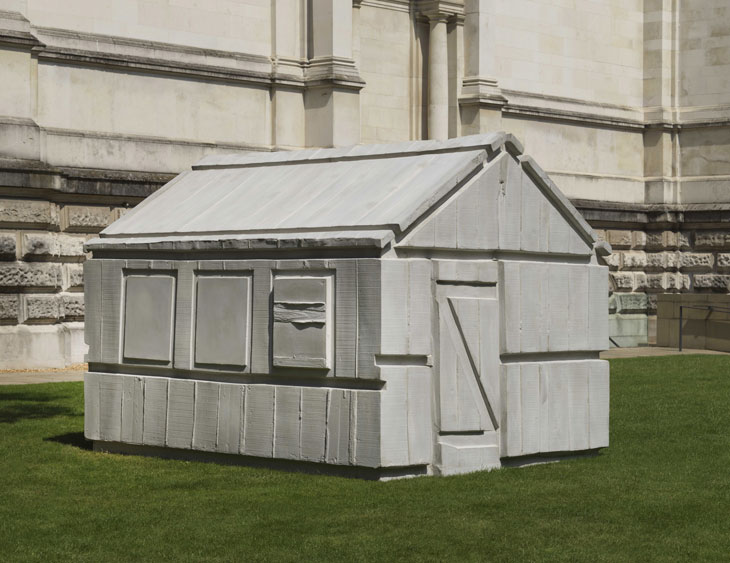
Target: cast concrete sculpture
427, 307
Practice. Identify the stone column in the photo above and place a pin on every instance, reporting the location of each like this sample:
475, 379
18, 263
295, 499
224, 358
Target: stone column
481, 100
438, 77
333, 83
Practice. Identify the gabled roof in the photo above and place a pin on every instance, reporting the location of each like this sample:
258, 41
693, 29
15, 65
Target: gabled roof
364, 195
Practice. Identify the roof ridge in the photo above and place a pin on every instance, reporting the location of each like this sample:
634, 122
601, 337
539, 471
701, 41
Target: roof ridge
493, 142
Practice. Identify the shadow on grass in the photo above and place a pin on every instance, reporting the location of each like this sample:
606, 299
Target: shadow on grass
24, 406
75, 439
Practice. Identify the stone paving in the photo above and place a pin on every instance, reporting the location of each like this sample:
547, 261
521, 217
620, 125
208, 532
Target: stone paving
21, 377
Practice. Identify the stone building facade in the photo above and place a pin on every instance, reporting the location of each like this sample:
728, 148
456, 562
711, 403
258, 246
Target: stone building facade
626, 103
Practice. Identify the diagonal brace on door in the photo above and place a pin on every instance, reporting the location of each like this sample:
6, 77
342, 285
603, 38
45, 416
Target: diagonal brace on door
471, 362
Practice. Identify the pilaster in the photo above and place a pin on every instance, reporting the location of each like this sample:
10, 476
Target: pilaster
661, 137
333, 83
19, 132
481, 99
287, 94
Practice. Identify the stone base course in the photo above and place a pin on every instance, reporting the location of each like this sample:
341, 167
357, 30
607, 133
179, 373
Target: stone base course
28, 347
41, 260
662, 253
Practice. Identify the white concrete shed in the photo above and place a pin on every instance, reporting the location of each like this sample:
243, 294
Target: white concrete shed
426, 307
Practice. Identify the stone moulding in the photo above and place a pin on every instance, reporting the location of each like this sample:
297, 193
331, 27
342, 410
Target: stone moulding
91, 49
421, 308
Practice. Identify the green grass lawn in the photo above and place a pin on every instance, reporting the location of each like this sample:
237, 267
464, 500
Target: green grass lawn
660, 492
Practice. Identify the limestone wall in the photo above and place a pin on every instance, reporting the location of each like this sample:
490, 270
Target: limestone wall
231, 25
154, 86
704, 54
391, 97
581, 50
596, 163
98, 102
622, 101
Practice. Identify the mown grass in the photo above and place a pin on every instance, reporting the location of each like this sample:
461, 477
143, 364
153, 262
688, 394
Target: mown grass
660, 492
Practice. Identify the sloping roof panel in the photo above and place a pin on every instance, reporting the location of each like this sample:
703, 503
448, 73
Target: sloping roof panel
360, 196
343, 194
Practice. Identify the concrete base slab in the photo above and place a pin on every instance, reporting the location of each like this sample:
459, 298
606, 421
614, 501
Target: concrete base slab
642, 351
372, 474
539, 459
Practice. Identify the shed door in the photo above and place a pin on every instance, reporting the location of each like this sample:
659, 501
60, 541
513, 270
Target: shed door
468, 361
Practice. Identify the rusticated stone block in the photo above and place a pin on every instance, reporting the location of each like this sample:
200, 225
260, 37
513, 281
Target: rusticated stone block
620, 239
671, 239
717, 282
85, 219
622, 281
661, 282
7, 246
684, 241
53, 244
654, 240
72, 305
21, 274
696, 262
634, 260
28, 213
613, 260
723, 262
656, 260
41, 307
715, 240
639, 240
630, 302
651, 303
118, 212
73, 276
664, 240
39, 244
70, 246
648, 282
675, 281
8, 307
671, 260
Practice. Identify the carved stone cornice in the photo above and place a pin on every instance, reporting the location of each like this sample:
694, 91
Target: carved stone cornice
87, 49
334, 71
15, 30
440, 10
478, 90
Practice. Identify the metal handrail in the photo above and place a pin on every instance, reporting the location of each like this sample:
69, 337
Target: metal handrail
711, 308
